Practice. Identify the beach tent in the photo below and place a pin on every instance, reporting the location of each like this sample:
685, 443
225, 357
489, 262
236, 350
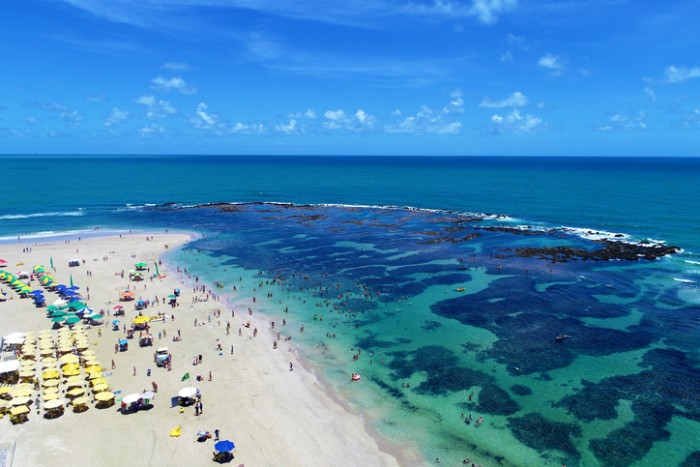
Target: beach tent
9, 366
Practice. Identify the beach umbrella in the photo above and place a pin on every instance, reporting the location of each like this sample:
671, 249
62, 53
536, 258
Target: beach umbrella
59, 302
141, 320
49, 360
73, 381
19, 410
58, 319
53, 404
70, 358
141, 265
100, 387
99, 380
224, 446
50, 374
50, 396
50, 390
71, 372
131, 398
76, 392
188, 392
20, 400
72, 320
51, 383
115, 321
6, 389
104, 396
88, 352
21, 392
80, 401
93, 369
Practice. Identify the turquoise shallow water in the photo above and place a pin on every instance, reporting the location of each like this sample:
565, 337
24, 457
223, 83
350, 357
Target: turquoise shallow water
622, 390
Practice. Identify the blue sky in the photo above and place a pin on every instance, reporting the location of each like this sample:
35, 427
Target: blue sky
448, 77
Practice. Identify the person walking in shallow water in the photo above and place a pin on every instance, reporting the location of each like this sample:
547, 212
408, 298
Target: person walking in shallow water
291, 367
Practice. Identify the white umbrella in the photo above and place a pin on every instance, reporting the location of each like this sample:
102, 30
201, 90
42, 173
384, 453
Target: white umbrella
131, 398
188, 392
59, 302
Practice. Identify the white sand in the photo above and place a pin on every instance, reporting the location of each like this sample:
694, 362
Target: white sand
275, 416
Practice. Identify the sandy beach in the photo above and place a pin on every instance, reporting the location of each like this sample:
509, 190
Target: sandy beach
274, 415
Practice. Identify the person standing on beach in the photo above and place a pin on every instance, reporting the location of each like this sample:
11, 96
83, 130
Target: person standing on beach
291, 367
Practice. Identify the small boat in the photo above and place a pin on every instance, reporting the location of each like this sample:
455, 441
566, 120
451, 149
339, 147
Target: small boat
561, 337
355, 377
459, 289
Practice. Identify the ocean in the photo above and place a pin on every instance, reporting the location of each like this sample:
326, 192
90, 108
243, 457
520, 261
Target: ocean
541, 294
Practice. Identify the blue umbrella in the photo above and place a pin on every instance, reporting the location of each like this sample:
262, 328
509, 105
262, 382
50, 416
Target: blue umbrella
116, 321
224, 446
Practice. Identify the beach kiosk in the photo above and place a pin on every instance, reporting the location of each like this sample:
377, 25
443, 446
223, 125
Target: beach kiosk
123, 345
162, 356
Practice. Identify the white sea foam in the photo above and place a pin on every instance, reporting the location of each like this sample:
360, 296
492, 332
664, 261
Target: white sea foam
692, 262
42, 214
685, 281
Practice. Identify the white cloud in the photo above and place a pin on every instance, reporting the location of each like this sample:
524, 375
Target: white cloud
514, 122
71, 117
172, 84
692, 119
339, 120
148, 100
96, 98
157, 108
427, 121
115, 116
207, 119
310, 113
31, 120
488, 10
552, 63
152, 130
625, 122
675, 75
289, 128
244, 129
517, 99
174, 66
650, 93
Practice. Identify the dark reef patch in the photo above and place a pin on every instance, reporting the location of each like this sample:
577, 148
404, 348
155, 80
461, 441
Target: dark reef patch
520, 390
670, 385
444, 375
541, 434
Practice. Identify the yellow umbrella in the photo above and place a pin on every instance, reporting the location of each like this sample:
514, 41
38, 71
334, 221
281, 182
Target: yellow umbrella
45, 343
71, 372
90, 361
53, 404
46, 352
100, 387
104, 396
5, 389
80, 345
50, 391
93, 368
96, 375
141, 320
21, 392
20, 400
70, 366
50, 374
26, 373
50, 396
74, 381
19, 410
87, 353
76, 392
97, 381
51, 383
80, 401
49, 360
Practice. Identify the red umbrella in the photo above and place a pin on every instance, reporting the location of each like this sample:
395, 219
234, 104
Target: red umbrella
118, 307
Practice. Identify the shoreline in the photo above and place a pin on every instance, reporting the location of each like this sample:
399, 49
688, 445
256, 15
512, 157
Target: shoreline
271, 413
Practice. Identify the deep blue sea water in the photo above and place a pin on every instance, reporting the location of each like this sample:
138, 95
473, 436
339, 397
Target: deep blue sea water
372, 253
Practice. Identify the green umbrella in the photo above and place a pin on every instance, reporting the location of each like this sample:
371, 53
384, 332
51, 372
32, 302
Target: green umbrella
58, 314
57, 319
77, 306
51, 308
141, 265
72, 320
